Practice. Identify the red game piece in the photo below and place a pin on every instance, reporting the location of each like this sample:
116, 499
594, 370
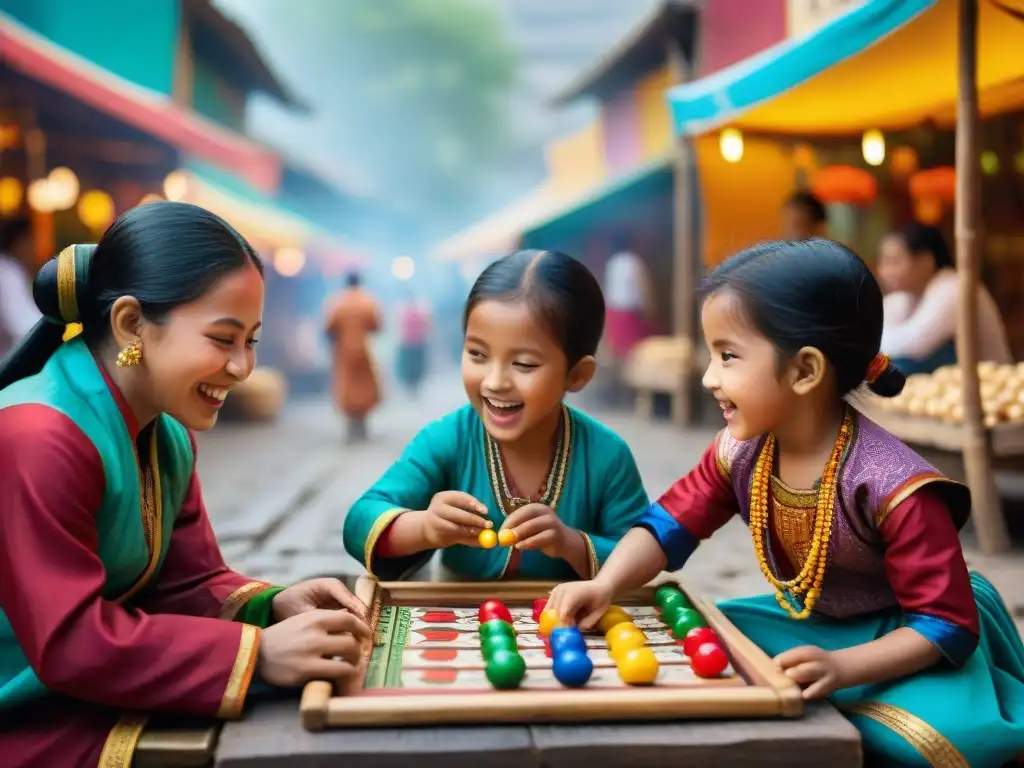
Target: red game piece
709, 660
696, 637
547, 646
538, 608
494, 609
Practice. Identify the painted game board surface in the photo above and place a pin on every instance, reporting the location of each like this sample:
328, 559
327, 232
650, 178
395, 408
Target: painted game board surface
426, 667
438, 649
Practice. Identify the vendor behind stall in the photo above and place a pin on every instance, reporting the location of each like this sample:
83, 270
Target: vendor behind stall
916, 270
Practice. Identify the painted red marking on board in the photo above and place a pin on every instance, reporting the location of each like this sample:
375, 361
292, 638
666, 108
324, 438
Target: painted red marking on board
439, 654
439, 635
440, 676
439, 617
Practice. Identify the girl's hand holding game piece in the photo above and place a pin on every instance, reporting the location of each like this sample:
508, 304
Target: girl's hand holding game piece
582, 602
453, 517
318, 644
536, 526
313, 594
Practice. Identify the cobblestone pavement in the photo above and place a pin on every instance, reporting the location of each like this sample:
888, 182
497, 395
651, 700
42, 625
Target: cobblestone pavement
277, 493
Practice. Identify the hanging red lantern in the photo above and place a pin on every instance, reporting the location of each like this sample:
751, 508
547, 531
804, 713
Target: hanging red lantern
844, 184
903, 161
938, 183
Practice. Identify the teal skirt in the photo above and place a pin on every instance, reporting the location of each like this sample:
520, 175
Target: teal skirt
972, 716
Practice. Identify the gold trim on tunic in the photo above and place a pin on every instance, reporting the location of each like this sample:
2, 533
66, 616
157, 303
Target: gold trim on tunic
908, 489
152, 514
119, 748
507, 503
595, 564
234, 602
793, 514
241, 674
933, 746
722, 458
376, 531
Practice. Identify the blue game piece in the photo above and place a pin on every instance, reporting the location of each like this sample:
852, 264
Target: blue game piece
572, 668
567, 639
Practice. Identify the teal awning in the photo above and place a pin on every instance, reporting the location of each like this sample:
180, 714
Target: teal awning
650, 179
724, 97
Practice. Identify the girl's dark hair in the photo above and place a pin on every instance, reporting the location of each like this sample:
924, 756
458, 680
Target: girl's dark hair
558, 288
164, 254
921, 239
812, 293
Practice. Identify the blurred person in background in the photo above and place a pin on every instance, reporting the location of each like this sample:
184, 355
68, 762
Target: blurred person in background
915, 268
352, 316
804, 217
414, 331
628, 297
18, 312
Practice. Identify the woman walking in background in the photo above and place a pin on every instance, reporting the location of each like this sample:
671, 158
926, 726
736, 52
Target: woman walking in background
414, 329
351, 317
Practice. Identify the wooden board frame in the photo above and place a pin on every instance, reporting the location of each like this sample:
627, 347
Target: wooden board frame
769, 693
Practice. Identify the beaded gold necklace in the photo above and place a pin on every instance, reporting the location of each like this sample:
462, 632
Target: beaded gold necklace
812, 574
552, 488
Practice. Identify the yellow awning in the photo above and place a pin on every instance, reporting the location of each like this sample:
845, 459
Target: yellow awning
906, 78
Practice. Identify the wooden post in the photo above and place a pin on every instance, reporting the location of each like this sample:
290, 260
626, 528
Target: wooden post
986, 507
684, 253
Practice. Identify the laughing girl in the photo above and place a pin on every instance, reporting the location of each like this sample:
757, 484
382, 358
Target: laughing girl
558, 488
872, 604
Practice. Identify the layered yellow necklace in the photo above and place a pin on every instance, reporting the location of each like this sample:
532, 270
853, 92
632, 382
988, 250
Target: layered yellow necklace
808, 581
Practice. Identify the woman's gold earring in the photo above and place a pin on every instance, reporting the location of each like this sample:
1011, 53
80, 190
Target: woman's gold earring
130, 355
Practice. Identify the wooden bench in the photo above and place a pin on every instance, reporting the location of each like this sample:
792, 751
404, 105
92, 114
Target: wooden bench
661, 365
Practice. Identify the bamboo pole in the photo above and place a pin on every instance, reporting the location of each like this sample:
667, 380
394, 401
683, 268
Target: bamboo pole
986, 507
684, 252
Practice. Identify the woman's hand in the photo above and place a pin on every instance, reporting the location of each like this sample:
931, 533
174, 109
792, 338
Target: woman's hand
817, 671
453, 517
313, 594
536, 526
315, 645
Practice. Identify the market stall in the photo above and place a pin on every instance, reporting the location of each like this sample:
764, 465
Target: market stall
884, 66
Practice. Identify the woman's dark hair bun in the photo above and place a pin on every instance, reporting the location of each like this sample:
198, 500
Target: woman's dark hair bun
889, 383
45, 286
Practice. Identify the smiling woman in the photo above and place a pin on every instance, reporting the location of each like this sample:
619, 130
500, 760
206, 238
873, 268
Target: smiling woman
113, 591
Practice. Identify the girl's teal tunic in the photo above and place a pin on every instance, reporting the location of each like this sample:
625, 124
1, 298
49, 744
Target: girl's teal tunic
596, 488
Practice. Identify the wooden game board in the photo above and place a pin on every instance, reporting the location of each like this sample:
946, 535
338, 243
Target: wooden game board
426, 667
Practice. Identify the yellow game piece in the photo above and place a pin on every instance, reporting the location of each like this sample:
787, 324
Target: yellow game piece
549, 619
621, 630
625, 643
488, 538
638, 666
506, 537
614, 615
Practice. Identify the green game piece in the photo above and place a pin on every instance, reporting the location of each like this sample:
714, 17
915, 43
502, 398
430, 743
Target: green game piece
498, 642
505, 670
664, 591
674, 600
686, 620
496, 627
670, 614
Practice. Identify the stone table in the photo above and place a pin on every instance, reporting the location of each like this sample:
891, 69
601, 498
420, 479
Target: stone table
271, 735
